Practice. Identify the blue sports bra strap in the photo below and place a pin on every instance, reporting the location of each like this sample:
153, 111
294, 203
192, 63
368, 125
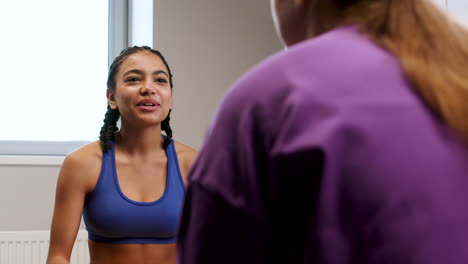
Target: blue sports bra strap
171, 150
175, 163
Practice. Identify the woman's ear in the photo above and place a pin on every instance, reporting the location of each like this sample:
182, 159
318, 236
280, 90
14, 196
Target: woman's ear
111, 99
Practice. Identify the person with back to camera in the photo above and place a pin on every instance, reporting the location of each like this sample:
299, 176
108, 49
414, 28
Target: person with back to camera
129, 185
348, 147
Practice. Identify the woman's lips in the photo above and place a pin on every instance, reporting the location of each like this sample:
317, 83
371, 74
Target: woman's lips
148, 105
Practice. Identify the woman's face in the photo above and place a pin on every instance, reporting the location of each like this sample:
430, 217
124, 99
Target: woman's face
289, 17
142, 94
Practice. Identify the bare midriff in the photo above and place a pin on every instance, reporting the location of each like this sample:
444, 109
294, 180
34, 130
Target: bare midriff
105, 253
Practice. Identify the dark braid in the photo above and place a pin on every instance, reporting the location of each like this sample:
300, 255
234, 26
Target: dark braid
167, 128
109, 128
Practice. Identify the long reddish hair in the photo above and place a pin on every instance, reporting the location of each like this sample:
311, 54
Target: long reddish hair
432, 48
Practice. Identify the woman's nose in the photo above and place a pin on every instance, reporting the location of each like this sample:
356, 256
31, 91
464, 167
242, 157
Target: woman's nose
148, 88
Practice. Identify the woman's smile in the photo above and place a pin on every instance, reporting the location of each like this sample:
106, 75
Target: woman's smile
148, 105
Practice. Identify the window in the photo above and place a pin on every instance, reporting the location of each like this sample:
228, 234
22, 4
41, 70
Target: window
54, 67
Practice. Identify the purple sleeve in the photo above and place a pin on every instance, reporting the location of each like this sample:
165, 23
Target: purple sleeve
235, 188
223, 220
213, 231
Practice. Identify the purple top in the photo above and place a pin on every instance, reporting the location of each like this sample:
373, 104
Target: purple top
324, 154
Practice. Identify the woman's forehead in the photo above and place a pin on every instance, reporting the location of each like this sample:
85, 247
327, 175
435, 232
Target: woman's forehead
143, 59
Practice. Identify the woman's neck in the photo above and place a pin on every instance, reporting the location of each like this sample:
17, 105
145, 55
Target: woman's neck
140, 141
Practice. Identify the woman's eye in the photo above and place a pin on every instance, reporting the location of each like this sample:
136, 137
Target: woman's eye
132, 79
161, 80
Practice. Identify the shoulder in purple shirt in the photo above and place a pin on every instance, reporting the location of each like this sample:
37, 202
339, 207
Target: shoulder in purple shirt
324, 154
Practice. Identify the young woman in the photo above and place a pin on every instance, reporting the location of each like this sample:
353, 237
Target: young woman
348, 147
129, 185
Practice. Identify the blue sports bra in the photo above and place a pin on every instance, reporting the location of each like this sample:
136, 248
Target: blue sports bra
111, 217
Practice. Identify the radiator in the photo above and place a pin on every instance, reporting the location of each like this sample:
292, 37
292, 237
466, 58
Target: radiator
31, 247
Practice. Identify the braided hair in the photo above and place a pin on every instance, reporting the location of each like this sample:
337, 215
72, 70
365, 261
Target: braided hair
109, 129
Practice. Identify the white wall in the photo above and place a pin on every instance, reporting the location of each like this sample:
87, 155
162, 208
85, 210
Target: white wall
208, 44
458, 9
26, 196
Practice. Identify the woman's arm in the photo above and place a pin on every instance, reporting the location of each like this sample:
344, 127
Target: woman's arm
72, 185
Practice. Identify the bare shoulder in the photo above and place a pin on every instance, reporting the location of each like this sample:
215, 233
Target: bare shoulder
185, 152
83, 165
85, 156
186, 156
